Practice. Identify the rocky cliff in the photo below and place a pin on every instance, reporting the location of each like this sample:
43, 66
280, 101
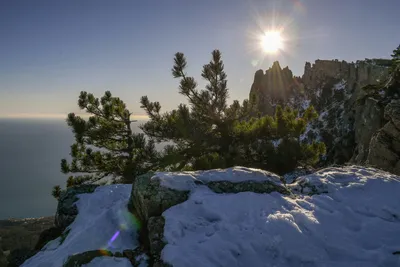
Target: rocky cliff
352, 121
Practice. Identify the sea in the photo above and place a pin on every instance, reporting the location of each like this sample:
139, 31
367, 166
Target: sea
30, 155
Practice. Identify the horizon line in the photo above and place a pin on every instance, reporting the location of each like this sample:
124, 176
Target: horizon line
55, 116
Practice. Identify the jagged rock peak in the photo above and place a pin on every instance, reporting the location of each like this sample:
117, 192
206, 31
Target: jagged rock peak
276, 66
275, 84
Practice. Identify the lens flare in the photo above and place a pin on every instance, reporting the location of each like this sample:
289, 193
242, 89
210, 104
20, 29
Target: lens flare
127, 222
113, 238
105, 252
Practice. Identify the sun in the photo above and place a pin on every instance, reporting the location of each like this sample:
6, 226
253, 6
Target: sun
271, 42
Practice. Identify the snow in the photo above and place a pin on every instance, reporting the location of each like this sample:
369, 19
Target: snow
318, 92
340, 85
356, 223
108, 261
304, 135
184, 181
103, 222
276, 142
305, 104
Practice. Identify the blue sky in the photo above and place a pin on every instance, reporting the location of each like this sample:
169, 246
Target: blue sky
51, 50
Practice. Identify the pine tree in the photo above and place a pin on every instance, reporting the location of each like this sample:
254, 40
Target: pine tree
56, 192
395, 70
274, 142
105, 144
208, 133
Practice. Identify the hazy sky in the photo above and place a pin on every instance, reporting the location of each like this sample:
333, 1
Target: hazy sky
51, 50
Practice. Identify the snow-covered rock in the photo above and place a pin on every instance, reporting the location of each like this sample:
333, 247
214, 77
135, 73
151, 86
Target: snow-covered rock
66, 208
352, 221
152, 193
102, 223
338, 216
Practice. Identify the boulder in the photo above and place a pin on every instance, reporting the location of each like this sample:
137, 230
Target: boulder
150, 199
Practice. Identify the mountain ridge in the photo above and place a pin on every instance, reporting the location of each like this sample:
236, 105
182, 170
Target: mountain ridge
349, 115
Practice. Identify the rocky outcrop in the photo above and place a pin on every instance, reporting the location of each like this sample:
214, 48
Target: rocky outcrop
154, 193
384, 147
273, 86
369, 119
349, 116
149, 198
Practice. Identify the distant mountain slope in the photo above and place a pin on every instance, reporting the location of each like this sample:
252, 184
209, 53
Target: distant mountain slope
350, 116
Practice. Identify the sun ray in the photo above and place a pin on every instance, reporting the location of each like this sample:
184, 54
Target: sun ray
274, 33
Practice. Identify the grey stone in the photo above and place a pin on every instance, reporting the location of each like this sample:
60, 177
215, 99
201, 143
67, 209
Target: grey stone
157, 242
66, 208
251, 186
384, 152
149, 198
392, 113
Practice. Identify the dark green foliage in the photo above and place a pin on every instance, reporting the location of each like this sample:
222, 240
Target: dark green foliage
56, 192
379, 61
105, 144
273, 143
394, 87
209, 134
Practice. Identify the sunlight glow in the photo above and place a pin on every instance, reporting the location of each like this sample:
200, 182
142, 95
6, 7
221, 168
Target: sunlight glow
274, 34
271, 42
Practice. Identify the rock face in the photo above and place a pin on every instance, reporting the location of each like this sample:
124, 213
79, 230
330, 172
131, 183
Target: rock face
273, 86
349, 118
384, 149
